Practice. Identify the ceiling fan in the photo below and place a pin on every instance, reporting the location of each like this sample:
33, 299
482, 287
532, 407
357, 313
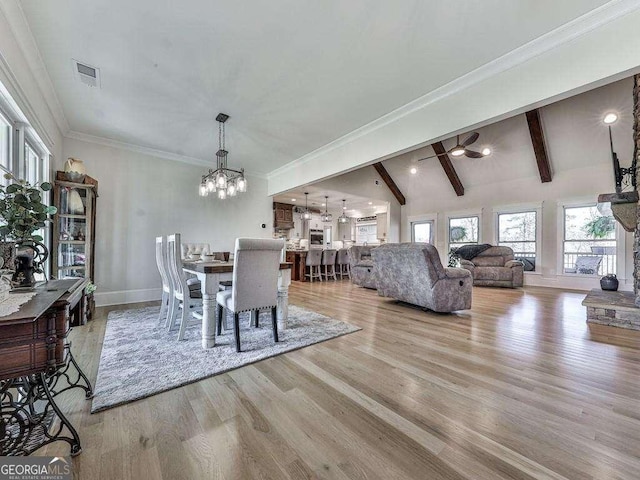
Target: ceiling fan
461, 149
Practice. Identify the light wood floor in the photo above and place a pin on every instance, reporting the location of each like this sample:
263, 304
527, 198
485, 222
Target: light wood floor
519, 387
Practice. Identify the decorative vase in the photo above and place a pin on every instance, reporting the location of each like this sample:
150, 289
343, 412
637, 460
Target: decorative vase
74, 170
609, 282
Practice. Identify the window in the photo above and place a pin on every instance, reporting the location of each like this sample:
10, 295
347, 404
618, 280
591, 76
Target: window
422, 231
518, 231
33, 165
5, 146
589, 246
367, 233
463, 230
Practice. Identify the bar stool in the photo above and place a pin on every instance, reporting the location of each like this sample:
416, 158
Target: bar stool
329, 263
314, 259
344, 267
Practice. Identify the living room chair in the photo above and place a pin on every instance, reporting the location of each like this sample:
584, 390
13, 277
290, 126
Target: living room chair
256, 266
163, 269
182, 296
586, 265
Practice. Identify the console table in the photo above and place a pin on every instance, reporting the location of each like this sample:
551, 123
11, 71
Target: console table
36, 365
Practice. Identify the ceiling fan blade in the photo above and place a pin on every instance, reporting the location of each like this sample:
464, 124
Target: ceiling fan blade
471, 139
433, 156
472, 154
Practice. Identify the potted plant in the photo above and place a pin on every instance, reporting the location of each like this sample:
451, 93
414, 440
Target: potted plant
22, 213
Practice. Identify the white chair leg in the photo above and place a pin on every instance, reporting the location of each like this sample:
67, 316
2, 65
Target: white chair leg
184, 319
174, 307
164, 306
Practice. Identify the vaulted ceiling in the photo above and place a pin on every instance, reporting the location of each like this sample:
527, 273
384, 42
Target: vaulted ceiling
293, 75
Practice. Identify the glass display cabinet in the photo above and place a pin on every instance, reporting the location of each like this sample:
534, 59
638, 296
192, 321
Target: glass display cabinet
74, 228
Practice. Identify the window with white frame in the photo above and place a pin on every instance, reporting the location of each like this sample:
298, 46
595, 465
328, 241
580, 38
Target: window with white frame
518, 231
5, 146
23, 154
589, 244
463, 230
422, 231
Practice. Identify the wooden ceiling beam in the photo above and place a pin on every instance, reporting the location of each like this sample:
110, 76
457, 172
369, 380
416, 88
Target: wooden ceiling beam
539, 146
390, 183
447, 166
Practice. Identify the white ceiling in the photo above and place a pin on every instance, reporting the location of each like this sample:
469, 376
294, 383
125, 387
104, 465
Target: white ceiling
293, 75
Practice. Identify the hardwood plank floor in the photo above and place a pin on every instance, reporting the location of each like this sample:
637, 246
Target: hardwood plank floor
518, 387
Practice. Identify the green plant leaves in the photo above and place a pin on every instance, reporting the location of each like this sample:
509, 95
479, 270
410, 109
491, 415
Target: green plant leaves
46, 186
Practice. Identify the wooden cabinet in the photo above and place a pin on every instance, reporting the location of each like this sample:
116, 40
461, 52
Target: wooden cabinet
74, 228
344, 231
381, 226
282, 215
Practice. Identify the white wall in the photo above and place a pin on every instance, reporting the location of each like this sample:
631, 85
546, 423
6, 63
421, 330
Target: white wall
141, 197
578, 147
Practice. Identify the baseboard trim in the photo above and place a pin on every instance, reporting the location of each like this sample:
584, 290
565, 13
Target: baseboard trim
105, 299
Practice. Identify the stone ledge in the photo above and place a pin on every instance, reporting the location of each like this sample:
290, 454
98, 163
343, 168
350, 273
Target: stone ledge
616, 309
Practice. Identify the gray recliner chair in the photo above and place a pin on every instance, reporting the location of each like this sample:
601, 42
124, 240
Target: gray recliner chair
495, 267
413, 273
362, 266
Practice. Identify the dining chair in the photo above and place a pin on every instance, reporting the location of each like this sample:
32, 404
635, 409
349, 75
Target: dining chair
182, 296
256, 266
329, 263
163, 268
344, 267
313, 262
193, 249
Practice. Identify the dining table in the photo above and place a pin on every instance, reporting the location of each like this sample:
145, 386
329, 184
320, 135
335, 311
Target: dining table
211, 273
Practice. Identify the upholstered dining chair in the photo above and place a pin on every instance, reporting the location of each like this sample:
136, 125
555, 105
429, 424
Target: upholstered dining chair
182, 295
329, 263
163, 268
313, 262
256, 266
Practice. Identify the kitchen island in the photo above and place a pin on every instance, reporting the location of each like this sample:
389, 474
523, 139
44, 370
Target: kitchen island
298, 258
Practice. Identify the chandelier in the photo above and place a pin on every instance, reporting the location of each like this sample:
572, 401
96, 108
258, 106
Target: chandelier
343, 218
223, 181
326, 217
306, 215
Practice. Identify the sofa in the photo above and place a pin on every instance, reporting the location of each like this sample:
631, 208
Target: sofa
413, 273
362, 267
495, 267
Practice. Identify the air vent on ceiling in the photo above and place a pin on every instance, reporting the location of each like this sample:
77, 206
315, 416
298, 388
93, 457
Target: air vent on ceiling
86, 74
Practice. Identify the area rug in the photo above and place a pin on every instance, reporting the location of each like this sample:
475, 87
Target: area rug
140, 358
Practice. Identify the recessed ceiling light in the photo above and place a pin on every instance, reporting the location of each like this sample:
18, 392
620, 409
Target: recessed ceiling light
486, 151
413, 170
370, 203
293, 199
610, 118
324, 204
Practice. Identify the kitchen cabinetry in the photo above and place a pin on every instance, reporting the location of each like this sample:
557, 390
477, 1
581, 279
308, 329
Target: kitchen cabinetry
282, 215
344, 231
381, 226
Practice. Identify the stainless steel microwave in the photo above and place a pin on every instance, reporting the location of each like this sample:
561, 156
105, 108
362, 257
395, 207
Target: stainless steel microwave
316, 237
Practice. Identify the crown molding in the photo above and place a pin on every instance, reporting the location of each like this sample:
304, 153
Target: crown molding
154, 152
108, 142
26, 41
577, 27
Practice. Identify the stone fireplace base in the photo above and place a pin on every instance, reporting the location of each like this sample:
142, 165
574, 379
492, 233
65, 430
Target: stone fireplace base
616, 309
